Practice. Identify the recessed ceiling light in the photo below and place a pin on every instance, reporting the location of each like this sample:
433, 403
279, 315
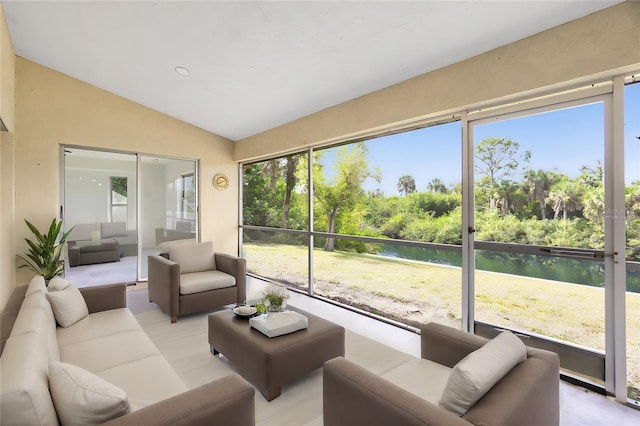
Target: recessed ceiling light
182, 71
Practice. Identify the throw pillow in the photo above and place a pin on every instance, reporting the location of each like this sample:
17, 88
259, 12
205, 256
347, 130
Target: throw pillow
68, 306
58, 283
82, 398
196, 257
479, 371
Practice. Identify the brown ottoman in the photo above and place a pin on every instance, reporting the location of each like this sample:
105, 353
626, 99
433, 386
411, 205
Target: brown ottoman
270, 363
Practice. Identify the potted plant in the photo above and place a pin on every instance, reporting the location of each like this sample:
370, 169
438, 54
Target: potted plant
45, 252
274, 297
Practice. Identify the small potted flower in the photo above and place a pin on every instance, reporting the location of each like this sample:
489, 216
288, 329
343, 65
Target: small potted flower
274, 297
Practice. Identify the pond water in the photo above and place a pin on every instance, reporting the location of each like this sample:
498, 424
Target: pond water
574, 271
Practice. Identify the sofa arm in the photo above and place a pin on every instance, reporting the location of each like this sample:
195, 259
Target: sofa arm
164, 285
237, 267
74, 254
228, 401
353, 395
105, 297
447, 346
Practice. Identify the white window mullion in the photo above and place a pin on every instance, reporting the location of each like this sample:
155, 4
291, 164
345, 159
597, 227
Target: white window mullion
468, 254
615, 238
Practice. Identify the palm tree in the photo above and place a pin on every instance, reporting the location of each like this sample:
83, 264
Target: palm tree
593, 203
632, 201
537, 185
565, 196
505, 190
406, 184
436, 185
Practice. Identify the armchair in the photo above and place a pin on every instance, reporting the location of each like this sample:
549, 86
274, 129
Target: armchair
195, 279
527, 395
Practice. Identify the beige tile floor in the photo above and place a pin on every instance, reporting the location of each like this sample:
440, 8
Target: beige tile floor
577, 406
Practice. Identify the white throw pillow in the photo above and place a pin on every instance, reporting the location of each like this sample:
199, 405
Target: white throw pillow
197, 257
58, 283
475, 374
68, 306
82, 398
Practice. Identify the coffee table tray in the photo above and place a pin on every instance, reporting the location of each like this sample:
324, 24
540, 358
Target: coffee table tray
279, 323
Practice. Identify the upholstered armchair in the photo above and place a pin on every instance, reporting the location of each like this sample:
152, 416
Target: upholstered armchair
460, 379
195, 279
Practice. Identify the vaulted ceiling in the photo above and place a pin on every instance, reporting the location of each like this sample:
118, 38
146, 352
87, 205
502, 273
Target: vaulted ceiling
256, 65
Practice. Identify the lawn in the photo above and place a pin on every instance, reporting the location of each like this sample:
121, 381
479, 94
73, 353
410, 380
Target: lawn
415, 292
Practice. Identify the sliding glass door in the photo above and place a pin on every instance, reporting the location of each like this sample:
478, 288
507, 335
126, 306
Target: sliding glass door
122, 208
100, 205
168, 212
540, 232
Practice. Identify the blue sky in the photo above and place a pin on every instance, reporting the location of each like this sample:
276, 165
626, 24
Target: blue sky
561, 140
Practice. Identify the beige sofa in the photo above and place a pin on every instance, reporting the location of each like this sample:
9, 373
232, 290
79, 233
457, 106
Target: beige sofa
109, 343
410, 393
195, 279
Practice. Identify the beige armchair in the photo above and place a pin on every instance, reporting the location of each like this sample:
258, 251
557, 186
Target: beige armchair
195, 279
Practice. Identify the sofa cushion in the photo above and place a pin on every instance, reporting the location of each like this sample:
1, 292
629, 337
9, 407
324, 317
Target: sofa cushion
113, 229
36, 285
479, 371
147, 380
196, 257
197, 282
68, 306
98, 246
82, 398
424, 378
110, 351
98, 324
25, 396
58, 283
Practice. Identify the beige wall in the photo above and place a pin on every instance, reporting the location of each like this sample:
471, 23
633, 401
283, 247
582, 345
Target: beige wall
598, 45
54, 109
7, 204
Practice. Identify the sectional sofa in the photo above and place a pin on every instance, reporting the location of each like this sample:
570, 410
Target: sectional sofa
53, 374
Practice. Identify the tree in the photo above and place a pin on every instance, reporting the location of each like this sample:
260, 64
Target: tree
537, 185
565, 196
406, 184
436, 185
282, 178
506, 191
632, 202
593, 203
346, 190
592, 177
290, 183
498, 158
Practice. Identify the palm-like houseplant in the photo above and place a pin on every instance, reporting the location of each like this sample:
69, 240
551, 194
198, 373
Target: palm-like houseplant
45, 252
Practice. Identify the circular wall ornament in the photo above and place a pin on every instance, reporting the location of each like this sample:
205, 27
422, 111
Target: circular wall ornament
220, 182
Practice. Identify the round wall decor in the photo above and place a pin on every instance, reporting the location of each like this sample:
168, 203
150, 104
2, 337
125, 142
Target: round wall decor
220, 182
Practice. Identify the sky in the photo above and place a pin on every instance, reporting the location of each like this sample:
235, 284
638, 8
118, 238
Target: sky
561, 140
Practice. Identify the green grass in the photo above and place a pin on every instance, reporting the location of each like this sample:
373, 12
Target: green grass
569, 312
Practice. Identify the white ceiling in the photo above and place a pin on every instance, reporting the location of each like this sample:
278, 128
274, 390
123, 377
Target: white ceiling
257, 65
